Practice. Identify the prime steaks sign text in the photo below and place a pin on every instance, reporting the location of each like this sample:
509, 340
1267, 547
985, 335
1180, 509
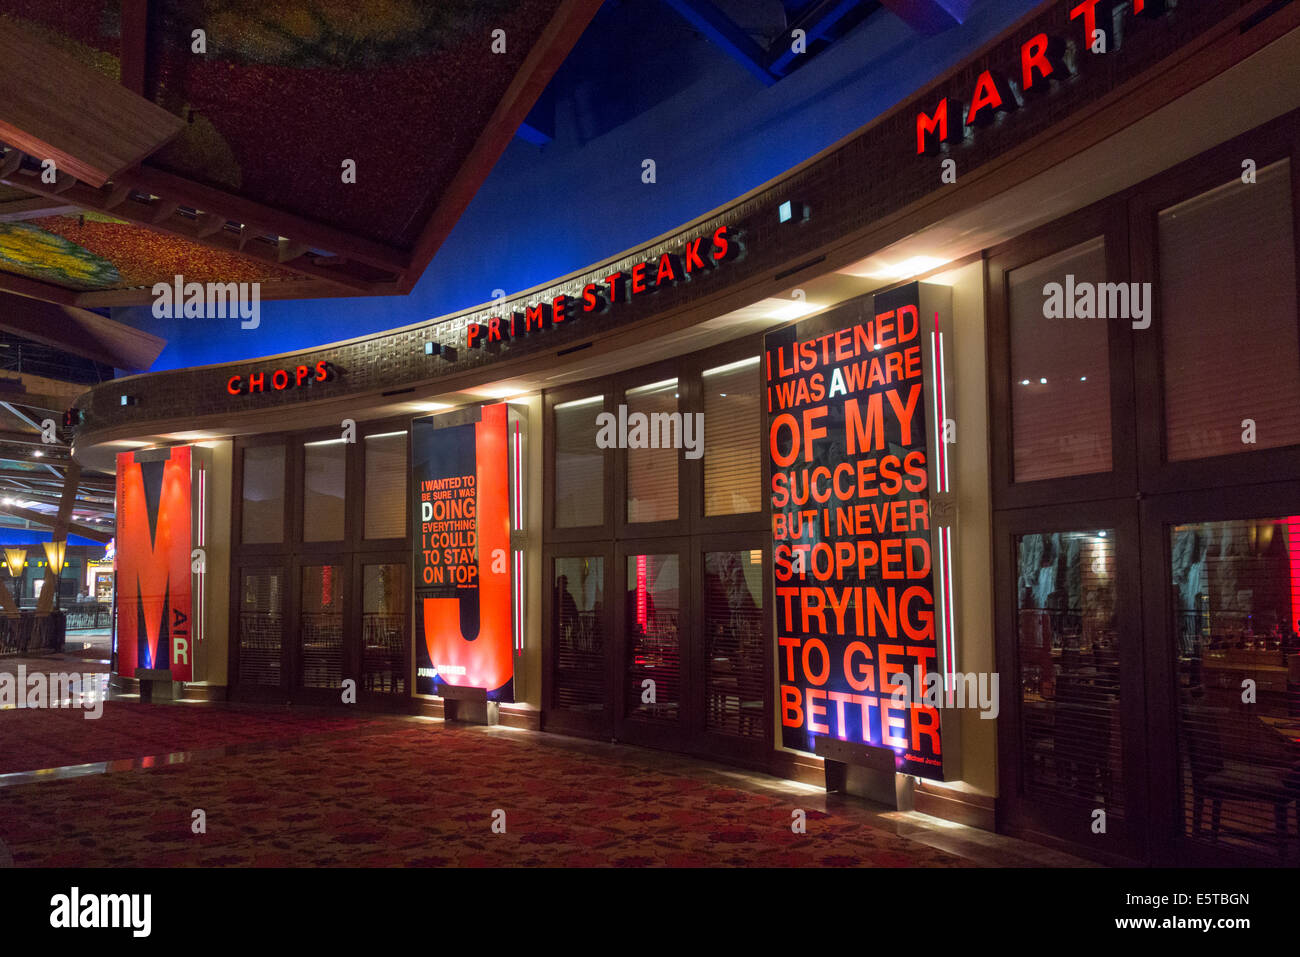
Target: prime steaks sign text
1042, 60
696, 256
847, 439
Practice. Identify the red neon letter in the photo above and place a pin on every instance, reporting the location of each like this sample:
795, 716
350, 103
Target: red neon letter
1089, 10
1037, 53
927, 126
986, 97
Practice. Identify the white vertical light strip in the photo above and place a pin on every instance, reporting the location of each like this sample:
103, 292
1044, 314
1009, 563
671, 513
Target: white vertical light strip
949, 602
943, 401
938, 425
940, 574
196, 628
519, 603
519, 479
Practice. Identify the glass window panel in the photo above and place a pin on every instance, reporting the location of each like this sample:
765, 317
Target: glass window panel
654, 653
579, 464
1060, 371
321, 626
1069, 668
1228, 318
384, 601
262, 514
261, 626
1236, 593
578, 627
732, 605
386, 485
652, 472
324, 484
733, 465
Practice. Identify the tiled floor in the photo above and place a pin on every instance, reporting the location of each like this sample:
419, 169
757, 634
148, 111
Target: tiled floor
303, 788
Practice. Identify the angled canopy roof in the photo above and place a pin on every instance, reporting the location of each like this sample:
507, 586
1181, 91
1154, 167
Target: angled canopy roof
220, 132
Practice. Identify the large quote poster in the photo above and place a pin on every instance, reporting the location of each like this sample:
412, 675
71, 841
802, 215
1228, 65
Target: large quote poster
154, 505
462, 561
850, 441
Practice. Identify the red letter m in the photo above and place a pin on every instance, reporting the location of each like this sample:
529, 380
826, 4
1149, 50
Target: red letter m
932, 130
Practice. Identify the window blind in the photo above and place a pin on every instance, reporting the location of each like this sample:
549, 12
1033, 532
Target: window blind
1060, 372
733, 448
1228, 318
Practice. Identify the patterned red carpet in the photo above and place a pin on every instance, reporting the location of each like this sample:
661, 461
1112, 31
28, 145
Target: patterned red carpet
424, 794
31, 740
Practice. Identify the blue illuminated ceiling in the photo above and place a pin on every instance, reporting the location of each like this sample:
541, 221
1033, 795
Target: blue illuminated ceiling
708, 89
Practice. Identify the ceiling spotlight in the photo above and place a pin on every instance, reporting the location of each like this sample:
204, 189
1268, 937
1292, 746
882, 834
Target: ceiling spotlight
37, 454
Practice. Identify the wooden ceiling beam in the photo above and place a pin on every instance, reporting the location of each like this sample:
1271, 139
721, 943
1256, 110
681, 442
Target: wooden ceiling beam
36, 207
80, 332
193, 230
35, 289
55, 107
147, 179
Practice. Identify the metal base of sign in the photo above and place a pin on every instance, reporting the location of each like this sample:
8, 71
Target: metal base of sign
865, 771
883, 787
156, 684
469, 706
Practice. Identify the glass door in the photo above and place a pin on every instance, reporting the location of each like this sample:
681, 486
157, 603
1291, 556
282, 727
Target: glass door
383, 634
260, 603
732, 716
656, 628
322, 663
1070, 652
1226, 739
579, 641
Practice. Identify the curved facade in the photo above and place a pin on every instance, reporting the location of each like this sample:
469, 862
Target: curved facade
1034, 160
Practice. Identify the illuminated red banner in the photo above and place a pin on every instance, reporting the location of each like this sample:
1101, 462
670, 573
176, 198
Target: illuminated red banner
463, 564
850, 439
154, 517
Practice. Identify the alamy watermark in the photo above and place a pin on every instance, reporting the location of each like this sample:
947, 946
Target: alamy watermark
53, 690
214, 300
126, 911
931, 689
1098, 300
656, 430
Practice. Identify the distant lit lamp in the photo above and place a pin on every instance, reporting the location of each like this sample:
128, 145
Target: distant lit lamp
16, 561
54, 554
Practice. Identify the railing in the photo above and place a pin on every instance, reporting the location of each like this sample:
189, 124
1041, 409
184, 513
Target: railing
28, 634
89, 615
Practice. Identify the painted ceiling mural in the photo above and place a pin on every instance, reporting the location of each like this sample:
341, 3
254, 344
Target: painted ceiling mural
279, 97
38, 254
89, 251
